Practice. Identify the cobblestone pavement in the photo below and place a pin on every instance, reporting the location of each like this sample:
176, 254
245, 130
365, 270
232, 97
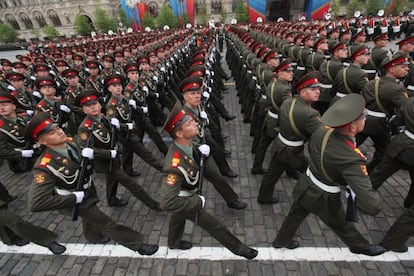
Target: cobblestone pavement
257, 226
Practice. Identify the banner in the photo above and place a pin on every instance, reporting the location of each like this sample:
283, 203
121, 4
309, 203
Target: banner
317, 8
191, 10
257, 8
179, 7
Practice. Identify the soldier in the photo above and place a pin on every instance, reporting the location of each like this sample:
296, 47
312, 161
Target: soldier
73, 90
352, 79
277, 92
378, 55
316, 58
179, 188
103, 150
93, 81
55, 175
406, 46
25, 101
13, 147
384, 97
329, 70
334, 162
297, 120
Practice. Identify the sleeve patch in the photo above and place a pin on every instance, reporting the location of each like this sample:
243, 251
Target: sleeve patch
171, 179
39, 178
84, 136
364, 169
175, 159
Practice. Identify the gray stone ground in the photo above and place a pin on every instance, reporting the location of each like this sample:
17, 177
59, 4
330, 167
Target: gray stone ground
257, 225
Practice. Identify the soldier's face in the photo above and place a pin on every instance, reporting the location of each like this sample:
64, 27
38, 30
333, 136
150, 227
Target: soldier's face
42, 73
54, 138
192, 98
362, 59
188, 130
115, 89
133, 76
48, 91
73, 80
285, 75
358, 125
400, 71
7, 109
341, 53
94, 71
93, 109
17, 84
310, 94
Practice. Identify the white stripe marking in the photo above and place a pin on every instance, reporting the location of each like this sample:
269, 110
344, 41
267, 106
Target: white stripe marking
319, 254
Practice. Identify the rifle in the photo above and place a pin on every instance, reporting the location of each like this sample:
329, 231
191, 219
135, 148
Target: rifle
351, 208
79, 184
113, 136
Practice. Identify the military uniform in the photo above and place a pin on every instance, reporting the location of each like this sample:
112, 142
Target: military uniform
334, 162
297, 121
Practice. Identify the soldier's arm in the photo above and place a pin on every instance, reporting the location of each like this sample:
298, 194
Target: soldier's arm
170, 201
368, 200
313, 123
82, 141
7, 152
42, 196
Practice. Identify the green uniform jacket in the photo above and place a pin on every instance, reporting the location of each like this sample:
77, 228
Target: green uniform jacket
345, 165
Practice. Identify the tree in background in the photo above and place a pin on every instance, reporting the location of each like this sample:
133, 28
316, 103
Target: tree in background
104, 22
186, 19
242, 14
166, 17
123, 18
82, 25
396, 6
223, 15
374, 6
353, 6
50, 31
8, 34
202, 15
148, 20
335, 6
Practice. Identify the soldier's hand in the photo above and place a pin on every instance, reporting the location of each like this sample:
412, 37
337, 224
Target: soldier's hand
37, 94
79, 196
145, 109
146, 90
155, 78
133, 103
203, 115
204, 149
113, 154
130, 126
157, 95
27, 153
115, 123
29, 112
88, 153
64, 108
11, 87
206, 95
203, 201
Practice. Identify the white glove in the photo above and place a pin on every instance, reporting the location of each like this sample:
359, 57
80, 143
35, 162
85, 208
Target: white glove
88, 153
113, 154
37, 94
162, 69
79, 196
144, 109
29, 112
130, 126
157, 95
115, 123
203, 115
203, 201
11, 87
146, 90
27, 153
204, 149
206, 95
52, 72
155, 78
64, 108
133, 103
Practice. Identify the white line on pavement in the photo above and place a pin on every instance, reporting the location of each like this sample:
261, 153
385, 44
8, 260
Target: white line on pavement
316, 254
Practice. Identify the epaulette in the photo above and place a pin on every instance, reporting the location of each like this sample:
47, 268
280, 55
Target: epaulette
45, 160
14, 93
130, 86
41, 104
113, 102
71, 89
355, 149
175, 161
88, 123
1, 123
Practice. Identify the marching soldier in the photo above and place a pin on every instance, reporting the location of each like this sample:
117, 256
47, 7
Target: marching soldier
25, 101
73, 90
406, 46
334, 162
297, 121
378, 55
179, 188
55, 176
384, 97
93, 81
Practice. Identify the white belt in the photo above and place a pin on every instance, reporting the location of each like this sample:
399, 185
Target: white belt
300, 68
264, 97
290, 143
376, 114
369, 71
186, 193
410, 87
326, 85
340, 95
294, 63
273, 115
322, 186
64, 192
409, 134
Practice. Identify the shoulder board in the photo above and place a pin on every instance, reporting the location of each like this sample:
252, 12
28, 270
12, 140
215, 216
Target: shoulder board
41, 104
1, 123
130, 86
355, 149
45, 160
87, 123
14, 93
113, 101
91, 79
175, 161
71, 89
